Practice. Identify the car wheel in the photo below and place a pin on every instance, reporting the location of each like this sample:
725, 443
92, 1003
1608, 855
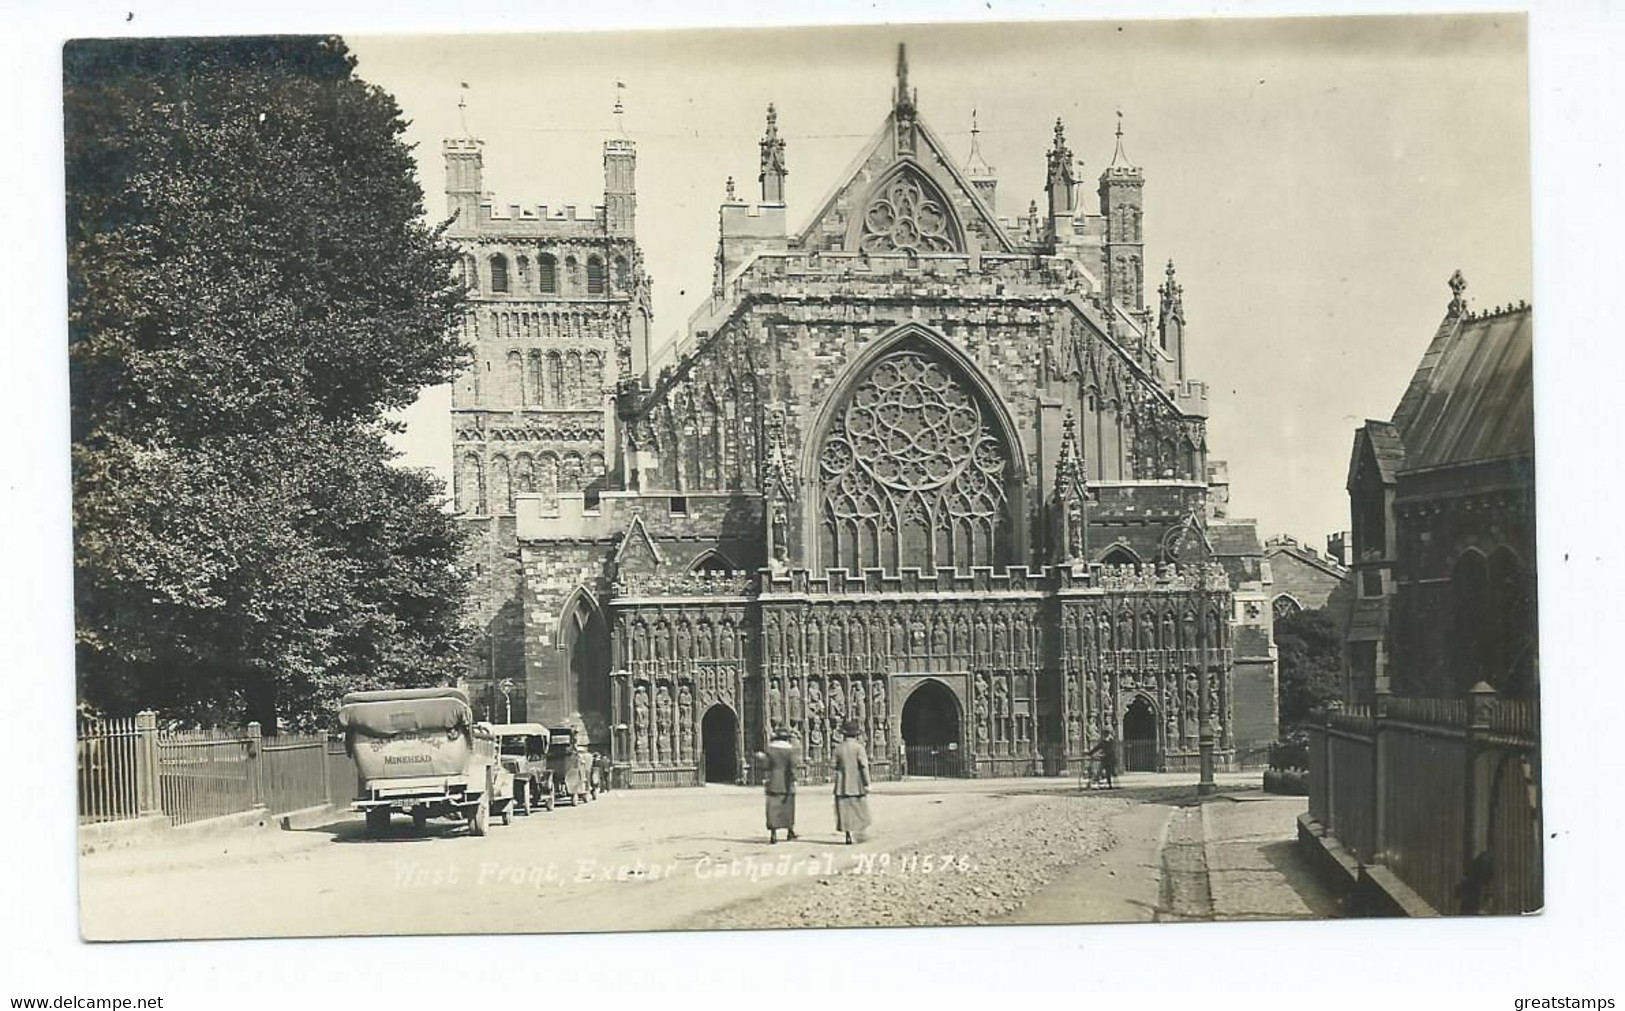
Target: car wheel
479, 822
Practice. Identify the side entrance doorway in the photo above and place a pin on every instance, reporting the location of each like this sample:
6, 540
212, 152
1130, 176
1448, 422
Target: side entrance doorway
930, 724
719, 733
1140, 736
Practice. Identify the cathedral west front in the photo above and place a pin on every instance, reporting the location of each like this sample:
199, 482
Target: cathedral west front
918, 463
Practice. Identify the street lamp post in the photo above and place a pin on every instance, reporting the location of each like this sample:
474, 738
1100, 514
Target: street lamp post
1205, 786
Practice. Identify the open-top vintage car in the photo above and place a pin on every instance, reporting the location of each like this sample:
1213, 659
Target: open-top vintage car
523, 747
419, 751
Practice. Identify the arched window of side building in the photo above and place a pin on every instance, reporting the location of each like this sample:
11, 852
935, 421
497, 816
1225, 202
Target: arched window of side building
499, 274
547, 274
595, 276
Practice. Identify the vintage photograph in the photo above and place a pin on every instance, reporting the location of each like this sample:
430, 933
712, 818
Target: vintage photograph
908, 475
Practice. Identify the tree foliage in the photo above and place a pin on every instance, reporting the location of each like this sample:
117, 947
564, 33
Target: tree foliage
252, 289
1309, 652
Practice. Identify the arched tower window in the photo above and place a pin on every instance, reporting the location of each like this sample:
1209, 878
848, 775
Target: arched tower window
499, 274
547, 274
524, 273
595, 276
914, 471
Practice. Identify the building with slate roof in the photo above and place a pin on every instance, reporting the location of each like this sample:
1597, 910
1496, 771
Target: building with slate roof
1442, 504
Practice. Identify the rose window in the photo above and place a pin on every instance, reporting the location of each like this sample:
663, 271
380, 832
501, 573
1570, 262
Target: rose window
908, 216
912, 473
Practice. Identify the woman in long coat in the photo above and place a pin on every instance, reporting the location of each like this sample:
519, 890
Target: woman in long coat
783, 766
851, 783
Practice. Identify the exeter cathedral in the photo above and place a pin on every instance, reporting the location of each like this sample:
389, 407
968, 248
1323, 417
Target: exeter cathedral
917, 464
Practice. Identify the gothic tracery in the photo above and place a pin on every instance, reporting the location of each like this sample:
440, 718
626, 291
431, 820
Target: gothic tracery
913, 473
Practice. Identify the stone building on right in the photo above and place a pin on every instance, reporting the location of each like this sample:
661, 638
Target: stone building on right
1442, 504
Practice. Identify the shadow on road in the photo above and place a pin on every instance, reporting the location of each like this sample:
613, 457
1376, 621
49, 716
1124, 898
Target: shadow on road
1287, 860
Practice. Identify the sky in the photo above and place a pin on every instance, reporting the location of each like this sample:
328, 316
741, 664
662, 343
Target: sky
1316, 180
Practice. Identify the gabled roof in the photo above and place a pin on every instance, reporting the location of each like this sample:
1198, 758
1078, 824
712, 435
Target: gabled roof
637, 547
1378, 441
1472, 396
934, 161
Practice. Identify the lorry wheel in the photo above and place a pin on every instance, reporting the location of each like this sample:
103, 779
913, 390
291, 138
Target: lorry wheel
420, 818
377, 821
480, 821
507, 813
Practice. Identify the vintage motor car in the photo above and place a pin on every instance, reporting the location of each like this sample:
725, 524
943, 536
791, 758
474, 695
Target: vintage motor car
571, 763
419, 751
523, 747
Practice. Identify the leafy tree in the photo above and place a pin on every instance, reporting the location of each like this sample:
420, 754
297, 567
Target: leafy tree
1309, 651
252, 289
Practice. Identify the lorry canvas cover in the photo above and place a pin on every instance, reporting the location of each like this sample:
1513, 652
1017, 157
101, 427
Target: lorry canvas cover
404, 711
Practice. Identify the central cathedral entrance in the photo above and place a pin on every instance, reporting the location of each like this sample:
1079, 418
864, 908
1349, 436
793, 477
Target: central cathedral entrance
718, 732
931, 743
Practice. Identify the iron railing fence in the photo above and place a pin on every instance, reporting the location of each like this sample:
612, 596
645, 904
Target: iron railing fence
128, 768
1442, 792
110, 769
293, 772
206, 774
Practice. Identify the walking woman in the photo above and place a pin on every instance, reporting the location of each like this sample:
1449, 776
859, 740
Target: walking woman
851, 783
783, 764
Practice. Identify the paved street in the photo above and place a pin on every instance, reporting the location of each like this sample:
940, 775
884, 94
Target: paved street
943, 851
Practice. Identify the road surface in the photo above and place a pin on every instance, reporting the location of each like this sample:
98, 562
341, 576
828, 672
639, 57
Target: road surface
942, 851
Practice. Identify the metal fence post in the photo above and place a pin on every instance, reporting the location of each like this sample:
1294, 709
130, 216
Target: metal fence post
256, 781
1379, 767
1477, 867
148, 789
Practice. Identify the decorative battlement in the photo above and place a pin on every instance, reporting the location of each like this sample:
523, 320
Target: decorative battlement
705, 583
1017, 580
461, 145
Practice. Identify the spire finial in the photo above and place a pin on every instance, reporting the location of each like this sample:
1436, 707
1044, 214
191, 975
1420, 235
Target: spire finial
462, 109
904, 96
730, 189
976, 166
1119, 157
772, 171
620, 110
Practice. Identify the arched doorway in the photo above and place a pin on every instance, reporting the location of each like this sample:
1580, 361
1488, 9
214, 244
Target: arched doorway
1140, 736
931, 731
584, 638
719, 731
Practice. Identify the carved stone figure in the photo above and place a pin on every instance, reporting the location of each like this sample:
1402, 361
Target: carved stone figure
859, 704
796, 712
685, 723
640, 722
837, 700
880, 701
939, 638
775, 702
815, 702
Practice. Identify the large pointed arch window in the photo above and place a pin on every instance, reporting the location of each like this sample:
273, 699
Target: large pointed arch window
913, 472
908, 214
